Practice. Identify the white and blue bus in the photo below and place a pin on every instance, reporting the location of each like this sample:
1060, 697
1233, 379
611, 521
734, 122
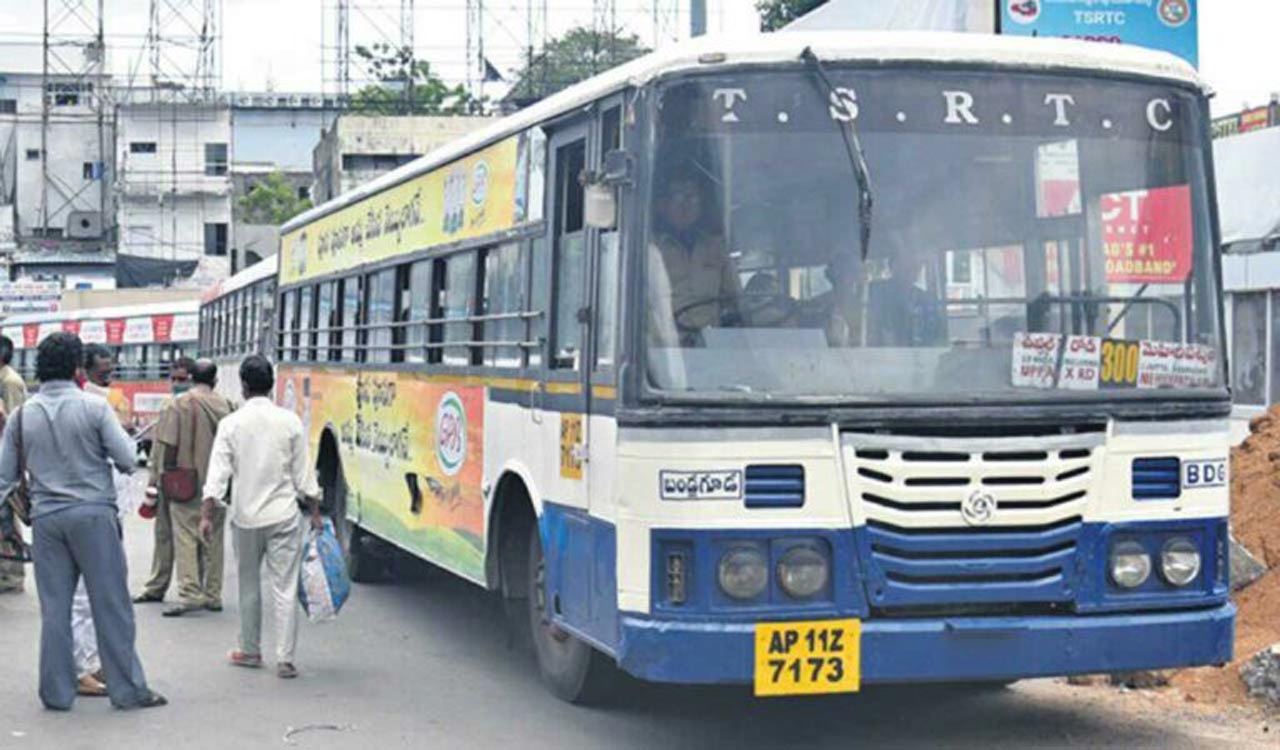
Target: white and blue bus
805, 361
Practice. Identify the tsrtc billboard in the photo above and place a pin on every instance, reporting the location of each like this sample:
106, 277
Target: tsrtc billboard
1168, 25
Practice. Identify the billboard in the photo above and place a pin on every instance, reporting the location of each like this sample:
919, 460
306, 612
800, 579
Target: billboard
1168, 25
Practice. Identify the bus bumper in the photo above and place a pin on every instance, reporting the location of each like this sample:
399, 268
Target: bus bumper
947, 648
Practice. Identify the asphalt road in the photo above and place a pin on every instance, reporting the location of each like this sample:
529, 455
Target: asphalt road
425, 663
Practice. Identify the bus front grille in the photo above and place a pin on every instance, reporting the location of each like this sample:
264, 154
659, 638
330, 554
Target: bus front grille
970, 521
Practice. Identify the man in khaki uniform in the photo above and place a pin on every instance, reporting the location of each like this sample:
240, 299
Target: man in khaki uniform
162, 552
184, 438
702, 285
13, 391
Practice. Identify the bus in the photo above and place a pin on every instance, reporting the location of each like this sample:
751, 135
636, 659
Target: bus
236, 320
800, 361
145, 339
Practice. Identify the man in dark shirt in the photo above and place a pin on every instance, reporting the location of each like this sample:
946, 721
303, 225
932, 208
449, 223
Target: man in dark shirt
899, 313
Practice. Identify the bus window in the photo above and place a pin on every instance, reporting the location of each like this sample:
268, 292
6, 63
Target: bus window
287, 324
435, 332
380, 302
419, 310
459, 292
399, 331
606, 303
503, 295
323, 321
535, 327
350, 318
246, 326
570, 256
307, 323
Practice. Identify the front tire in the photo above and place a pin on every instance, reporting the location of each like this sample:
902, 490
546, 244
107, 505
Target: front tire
573, 670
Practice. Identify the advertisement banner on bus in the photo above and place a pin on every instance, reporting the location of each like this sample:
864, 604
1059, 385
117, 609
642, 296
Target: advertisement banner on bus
469, 198
412, 454
1168, 25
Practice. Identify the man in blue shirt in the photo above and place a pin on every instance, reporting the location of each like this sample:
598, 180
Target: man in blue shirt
70, 440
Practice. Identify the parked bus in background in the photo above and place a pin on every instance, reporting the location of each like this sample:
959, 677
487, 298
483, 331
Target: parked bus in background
236, 320
145, 340
803, 360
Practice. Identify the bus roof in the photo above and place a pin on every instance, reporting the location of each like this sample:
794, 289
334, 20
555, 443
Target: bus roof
712, 53
181, 307
263, 269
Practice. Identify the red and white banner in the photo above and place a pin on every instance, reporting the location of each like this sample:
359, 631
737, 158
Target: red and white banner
161, 328
1147, 235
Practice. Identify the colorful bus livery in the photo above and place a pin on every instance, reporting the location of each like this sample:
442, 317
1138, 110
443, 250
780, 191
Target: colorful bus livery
803, 361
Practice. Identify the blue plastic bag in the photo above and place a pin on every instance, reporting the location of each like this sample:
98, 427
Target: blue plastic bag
323, 586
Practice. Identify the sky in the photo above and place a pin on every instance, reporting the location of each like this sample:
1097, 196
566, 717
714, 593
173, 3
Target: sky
276, 44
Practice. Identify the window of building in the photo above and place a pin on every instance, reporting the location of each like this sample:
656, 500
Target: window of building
215, 159
8, 106
304, 192
375, 162
33, 154
142, 147
1248, 347
215, 239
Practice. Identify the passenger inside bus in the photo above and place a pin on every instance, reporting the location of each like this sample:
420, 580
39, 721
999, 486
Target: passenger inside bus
899, 311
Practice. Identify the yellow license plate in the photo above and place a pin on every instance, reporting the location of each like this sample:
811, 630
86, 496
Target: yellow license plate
806, 658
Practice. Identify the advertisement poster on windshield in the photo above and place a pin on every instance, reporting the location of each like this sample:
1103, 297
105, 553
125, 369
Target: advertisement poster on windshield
1147, 235
1168, 25
1090, 363
412, 455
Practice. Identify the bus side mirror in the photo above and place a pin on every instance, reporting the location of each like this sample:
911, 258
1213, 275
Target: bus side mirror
600, 206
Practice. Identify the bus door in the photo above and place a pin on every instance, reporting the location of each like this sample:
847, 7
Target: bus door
561, 403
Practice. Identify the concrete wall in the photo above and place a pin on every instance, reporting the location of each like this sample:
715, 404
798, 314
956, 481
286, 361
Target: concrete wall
93, 298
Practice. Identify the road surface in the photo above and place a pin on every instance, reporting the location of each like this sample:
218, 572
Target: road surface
425, 663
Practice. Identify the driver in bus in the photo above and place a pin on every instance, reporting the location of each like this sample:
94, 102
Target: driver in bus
899, 311
703, 285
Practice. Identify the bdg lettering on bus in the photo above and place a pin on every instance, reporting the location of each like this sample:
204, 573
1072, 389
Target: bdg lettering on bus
844, 107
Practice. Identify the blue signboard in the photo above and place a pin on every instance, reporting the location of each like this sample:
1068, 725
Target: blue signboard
1168, 25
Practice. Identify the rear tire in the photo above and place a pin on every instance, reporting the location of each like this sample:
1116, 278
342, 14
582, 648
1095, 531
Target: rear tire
362, 565
572, 669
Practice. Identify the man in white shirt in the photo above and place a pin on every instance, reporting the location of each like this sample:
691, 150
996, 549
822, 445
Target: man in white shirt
263, 449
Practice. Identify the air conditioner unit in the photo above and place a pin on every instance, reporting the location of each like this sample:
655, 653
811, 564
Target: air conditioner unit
84, 225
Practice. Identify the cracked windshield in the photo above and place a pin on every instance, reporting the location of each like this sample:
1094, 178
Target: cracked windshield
1028, 235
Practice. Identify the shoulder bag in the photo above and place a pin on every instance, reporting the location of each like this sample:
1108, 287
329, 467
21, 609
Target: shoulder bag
179, 483
20, 497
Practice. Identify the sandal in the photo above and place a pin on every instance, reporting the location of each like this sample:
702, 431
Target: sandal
91, 686
241, 659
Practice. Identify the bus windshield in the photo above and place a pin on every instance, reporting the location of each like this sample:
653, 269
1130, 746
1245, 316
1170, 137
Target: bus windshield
1032, 236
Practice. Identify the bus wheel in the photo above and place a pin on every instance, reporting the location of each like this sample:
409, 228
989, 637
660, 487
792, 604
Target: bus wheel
573, 670
362, 565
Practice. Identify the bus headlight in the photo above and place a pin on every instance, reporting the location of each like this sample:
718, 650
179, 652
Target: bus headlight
743, 573
1130, 565
802, 572
1180, 561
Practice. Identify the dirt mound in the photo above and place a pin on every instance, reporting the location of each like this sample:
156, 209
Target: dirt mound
1255, 521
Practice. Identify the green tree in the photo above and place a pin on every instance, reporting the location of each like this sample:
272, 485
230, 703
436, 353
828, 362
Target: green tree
406, 86
575, 56
774, 14
271, 201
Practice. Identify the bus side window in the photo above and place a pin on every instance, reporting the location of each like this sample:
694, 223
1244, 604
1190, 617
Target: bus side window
435, 334
348, 338
606, 302
570, 256
401, 312
420, 306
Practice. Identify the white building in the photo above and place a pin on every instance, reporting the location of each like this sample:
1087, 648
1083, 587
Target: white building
174, 181
357, 148
56, 212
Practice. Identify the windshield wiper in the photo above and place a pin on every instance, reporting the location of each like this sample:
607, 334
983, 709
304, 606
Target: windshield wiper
853, 147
